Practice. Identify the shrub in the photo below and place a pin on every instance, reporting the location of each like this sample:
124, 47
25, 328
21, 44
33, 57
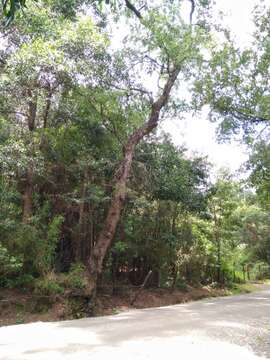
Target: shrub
9, 265
20, 281
181, 285
76, 278
48, 285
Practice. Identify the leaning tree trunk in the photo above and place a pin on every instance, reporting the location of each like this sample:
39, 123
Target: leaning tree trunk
107, 233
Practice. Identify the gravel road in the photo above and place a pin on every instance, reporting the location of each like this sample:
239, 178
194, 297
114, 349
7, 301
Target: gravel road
235, 327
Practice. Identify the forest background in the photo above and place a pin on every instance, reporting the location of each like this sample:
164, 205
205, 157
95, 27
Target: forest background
92, 195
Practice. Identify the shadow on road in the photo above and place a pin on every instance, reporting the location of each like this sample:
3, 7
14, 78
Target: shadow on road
221, 327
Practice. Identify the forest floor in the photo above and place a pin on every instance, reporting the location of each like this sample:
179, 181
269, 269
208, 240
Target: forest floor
19, 307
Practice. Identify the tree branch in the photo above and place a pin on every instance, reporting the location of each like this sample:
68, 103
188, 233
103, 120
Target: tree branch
131, 7
135, 89
192, 10
242, 116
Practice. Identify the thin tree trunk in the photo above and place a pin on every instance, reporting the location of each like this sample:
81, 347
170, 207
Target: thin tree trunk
218, 243
248, 272
27, 196
244, 272
219, 260
174, 234
175, 271
28, 189
81, 232
32, 110
106, 235
91, 232
48, 103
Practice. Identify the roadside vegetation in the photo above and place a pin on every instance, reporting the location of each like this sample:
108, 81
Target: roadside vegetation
94, 200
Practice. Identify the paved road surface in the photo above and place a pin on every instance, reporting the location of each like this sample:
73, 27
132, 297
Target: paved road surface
234, 328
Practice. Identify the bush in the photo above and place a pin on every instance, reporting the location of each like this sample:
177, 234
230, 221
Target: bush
9, 265
181, 285
76, 279
32, 245
21, 281
53, 284
49, 285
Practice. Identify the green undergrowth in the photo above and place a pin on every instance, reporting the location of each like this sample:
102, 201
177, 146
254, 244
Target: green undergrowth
236, 289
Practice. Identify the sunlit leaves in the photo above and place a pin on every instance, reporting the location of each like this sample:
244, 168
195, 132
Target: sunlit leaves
235, 84
259, 164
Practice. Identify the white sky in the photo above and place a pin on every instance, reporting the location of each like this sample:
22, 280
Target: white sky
197, 133
199, 136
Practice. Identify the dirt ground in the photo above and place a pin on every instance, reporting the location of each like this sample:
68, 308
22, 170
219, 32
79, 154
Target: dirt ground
17, 307
235, 327
155, 298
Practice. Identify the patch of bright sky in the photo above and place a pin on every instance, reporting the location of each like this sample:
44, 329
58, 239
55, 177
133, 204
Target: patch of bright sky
197, 133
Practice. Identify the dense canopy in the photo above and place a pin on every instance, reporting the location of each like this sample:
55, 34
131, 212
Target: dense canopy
89, 188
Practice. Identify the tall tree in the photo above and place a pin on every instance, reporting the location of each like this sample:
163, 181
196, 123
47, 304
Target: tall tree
176, 46
223, 202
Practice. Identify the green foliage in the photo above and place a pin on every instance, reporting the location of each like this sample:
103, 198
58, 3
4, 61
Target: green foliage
48, 285
69, 101
234, 82
53, 234
9, 265
20, 281
237, 289
32, 244
181, 285
260, 270
175, 177
53, 284
120, 247
76, 277
259, 164
9, 8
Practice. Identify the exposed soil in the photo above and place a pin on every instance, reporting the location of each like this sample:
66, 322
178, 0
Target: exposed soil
154, 298
18, 307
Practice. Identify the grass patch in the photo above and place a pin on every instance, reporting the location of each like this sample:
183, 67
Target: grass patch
237, 289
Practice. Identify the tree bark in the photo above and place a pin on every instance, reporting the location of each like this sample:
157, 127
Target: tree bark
219, 280
218, 244
175, 271
27, 196
106, 235
81, 231
28, 189
175, 267
48, 103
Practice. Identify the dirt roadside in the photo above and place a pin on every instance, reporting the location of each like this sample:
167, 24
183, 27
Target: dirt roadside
17, 307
